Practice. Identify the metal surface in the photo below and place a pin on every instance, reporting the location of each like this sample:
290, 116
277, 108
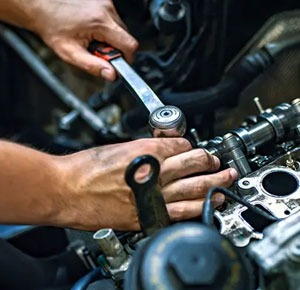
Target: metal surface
273, 125
187, 256
151, 207
258, 105
270, 180
233, 155
114, 252
164, 121
278, 255
276, 124
261, 133
167, 121
271, 252
253, 188
137, 85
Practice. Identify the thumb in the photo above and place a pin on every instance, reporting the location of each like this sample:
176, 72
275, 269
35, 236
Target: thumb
76, 54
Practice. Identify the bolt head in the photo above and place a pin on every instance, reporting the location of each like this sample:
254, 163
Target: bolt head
197, 265
246, 182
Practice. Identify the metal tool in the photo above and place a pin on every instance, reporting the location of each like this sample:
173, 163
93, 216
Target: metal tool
164, 121
152, 211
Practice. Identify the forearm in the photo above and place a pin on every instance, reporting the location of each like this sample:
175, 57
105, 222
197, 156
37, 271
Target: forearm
30, 185
18, 12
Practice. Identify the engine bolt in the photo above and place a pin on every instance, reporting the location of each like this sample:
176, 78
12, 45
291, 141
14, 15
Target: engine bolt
246, 182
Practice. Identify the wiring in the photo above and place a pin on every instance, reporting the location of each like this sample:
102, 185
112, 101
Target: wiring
208, 209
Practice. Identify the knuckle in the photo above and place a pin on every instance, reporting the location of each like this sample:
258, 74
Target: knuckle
204, 157
180, 194
200, 186
225, 178
201, 153
101, 15
184, 144
108, 5
86, 66
133, 45
208, 161
147, 145
90, 68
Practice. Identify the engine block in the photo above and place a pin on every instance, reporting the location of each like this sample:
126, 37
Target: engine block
266, 154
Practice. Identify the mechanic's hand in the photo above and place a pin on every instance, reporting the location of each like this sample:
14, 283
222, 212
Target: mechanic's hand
69, 26
99, 197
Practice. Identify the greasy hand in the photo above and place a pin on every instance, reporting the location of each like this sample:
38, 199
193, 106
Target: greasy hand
68, 26
97, 195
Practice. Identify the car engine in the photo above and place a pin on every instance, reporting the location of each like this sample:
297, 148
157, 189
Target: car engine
227, 76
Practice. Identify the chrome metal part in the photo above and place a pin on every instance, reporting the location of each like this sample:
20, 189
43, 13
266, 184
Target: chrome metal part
86, 257
137, 85
164, 121
167, 121
277, 125
196, 137
66, 121
291, 163
261, 133
114, 252
244, 135
275, 122
258, 105
233, 155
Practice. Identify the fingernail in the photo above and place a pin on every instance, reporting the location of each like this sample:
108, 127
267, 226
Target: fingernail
218, 199
105, 73
233, 173
216, 162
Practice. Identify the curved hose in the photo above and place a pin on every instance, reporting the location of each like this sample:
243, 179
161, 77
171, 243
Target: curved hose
208, 209
235, 80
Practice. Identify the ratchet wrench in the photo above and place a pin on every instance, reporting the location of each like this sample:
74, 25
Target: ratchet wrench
164, 120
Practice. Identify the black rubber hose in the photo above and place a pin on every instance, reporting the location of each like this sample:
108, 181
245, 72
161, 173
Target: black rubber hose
208, 209
235, 80
225, 92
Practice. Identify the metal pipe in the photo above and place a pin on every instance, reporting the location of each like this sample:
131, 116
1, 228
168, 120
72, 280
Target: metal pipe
111, 247
42, 71
261, 133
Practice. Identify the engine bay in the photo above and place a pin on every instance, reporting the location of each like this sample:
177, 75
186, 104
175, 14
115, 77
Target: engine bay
227, 74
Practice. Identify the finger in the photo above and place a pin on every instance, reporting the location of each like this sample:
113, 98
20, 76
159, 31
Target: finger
189, 209
163, 148
197, 187
185, 164
119, 38
73, 53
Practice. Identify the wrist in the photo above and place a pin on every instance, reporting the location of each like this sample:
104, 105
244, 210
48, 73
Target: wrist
63, 194
47, 199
